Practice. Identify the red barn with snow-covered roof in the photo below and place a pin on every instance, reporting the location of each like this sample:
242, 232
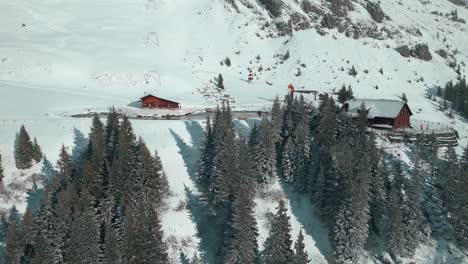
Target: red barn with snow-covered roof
151, 101
384, 113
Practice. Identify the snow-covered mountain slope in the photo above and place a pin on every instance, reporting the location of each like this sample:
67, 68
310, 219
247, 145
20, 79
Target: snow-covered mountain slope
120, 49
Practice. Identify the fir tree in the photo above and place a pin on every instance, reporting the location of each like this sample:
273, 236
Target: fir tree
342, 95
24, 150
13, 245
80, 144
2, 172
277, 119
265, 154
207, 154
287, 163
27, 237
64, 164
112, 135
278, 244
48, 172
242, 247
37, 152
455, 195
300, 254
220, 82
34, 198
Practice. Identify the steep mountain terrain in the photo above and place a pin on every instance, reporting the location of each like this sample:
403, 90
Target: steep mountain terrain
119, 50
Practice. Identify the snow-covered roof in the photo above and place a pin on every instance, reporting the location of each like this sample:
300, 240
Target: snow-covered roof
378, 107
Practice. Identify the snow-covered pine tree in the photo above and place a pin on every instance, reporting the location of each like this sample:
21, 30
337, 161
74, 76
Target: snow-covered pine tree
300, 254
49, 238
455, 195
37, 152
207, 154
80, 144
24, 150
95, 168
342, 214
123, 165
112, 131
2, 172
64, 163
96, 145
264, 154
287, 161
378, 191
394, 224
324, 188
47, 171
277, 119
13, 245
27, 237
242, 247
301, 154
278, 244
224, 158
414, 224
342, 95
34, 198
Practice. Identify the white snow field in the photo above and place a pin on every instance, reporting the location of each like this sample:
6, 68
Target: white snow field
71, 56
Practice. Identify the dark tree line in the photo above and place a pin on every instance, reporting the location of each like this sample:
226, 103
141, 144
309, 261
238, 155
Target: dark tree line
457, 95
231, 172
356, 188
103, 206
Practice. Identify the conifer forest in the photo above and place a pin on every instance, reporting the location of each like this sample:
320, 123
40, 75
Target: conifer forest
102, 202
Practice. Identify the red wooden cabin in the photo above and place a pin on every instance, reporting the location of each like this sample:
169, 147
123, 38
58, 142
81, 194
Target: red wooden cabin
383, 113
151, 101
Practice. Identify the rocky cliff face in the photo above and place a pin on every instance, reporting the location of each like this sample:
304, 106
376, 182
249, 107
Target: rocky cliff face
406, 26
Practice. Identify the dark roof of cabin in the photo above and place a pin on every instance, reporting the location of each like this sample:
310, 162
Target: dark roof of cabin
150, 95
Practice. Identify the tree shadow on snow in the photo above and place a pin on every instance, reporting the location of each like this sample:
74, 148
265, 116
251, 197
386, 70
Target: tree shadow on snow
303, 209
202, 215
196, 132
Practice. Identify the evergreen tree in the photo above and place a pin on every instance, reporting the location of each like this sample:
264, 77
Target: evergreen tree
242, 247
14, 216
342, 95
34, 198
13, 245
27, 238
278, 244
24, 150
300, 254
264, 154
80, 144
48, 172
287, 163
277, 119
300, 155
64, 164
2, 172
394, 226
220, 82
455, 195
37, 152
325, 183
112, 132
413, 218
207, 154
